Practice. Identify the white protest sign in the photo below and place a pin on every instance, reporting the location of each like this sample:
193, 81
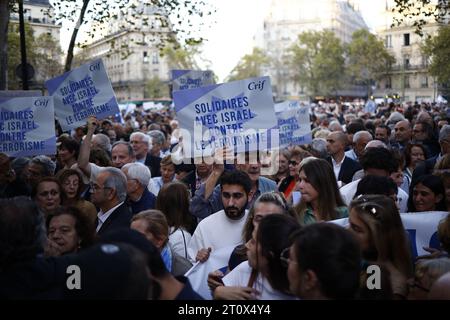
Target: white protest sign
238, 115
27, 126
421, 227
82, 92
190, 79
198, 274
293, 123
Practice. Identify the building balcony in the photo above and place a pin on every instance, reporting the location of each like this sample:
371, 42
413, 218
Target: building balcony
409, 68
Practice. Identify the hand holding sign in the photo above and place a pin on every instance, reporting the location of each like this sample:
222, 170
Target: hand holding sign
92, 124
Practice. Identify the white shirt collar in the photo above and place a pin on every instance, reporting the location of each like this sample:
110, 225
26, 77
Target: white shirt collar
103, 216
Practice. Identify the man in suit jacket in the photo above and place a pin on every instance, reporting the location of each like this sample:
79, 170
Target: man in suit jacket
108, 193
344, 167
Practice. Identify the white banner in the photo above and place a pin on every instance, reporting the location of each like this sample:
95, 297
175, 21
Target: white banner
421, 227
27, 126
198, 274
82, 92
293, 123
190, 79
238, 115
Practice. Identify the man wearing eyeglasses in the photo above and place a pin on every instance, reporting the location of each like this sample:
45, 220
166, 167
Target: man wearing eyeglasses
108, 192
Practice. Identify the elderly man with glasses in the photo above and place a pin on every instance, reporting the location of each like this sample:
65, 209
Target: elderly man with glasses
109, 191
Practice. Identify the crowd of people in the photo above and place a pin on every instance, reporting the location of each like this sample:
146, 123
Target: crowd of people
116, 203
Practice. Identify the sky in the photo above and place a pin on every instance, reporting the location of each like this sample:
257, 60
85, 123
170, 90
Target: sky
231, 37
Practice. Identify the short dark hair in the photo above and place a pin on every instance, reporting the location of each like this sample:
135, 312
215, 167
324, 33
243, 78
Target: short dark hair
354, 126
378, 158
237, 177
333, 254
383, 126
71, 145
371, 184
83, 226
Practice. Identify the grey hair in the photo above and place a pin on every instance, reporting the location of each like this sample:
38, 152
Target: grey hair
157, 136
116, 180
127, 144
395, 117
141, 135
103, 141
375, 144
335, 126
138, 171
320, 145
360, 134
45, 162
444, 132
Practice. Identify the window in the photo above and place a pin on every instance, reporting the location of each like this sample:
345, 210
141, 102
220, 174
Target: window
406, 39
424, 82
406, 61
155, 58
407, 82
424, 61
388, 42
145, 57
388, 84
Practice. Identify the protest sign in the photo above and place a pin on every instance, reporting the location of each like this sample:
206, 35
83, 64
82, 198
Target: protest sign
237, 115
293, 123
191, 79
198, 274
27, 126
82, 92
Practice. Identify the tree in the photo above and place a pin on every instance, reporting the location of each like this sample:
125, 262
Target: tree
181, 57
48, 57
250, 65
317, 62
14, 57
155, 89
368, 59
420, 12
437, 49
178, 19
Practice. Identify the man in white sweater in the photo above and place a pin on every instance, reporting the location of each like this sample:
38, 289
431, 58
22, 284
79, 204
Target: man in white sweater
223, 228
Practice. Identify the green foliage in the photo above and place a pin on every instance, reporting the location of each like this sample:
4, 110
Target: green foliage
181, 57
155, 89
48, 57
368, 59
250, 65
438, 49
419, 12
14, 56
317, 62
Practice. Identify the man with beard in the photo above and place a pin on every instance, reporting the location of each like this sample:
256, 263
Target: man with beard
223, 228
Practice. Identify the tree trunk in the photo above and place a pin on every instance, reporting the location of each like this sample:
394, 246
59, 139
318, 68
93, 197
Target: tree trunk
69, 58
4, 21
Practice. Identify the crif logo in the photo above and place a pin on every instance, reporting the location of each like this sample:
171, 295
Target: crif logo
256, 85
95, 66
41, 103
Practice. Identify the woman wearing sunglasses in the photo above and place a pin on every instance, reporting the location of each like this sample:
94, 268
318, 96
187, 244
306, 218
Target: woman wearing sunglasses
376, 224
289, 184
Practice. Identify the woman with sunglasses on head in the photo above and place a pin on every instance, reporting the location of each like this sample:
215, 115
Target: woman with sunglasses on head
320, 197
289, 184
376, 224
264, 275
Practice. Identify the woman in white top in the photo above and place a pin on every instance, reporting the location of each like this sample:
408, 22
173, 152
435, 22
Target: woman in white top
263, 276
173, 201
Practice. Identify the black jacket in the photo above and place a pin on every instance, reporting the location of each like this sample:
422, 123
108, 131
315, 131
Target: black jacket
348, 169
119, 218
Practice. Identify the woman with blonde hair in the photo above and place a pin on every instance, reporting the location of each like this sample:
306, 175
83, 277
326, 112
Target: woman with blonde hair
320, 197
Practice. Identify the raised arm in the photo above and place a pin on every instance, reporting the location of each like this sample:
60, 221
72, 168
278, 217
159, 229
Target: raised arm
85, 149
